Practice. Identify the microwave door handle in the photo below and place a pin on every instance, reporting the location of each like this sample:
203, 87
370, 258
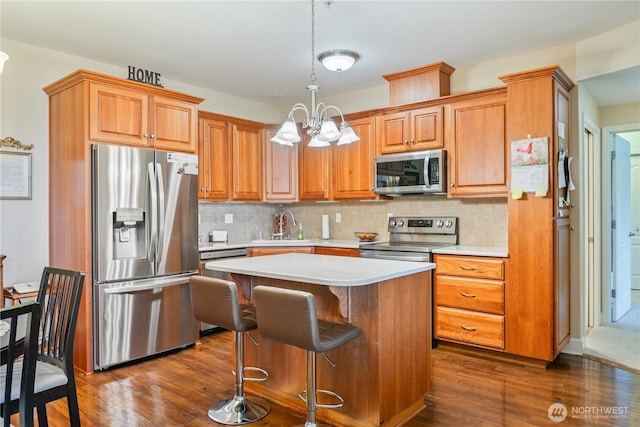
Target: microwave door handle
427, 171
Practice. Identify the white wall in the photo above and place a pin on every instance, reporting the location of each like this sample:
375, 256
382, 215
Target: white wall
608, 52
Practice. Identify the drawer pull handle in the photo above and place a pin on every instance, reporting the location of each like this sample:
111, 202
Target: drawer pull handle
468, 328
466, 295
467, 268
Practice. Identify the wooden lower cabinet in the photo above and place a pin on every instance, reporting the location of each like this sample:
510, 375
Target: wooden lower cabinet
322, 250
469, 300
470, 327
281, 250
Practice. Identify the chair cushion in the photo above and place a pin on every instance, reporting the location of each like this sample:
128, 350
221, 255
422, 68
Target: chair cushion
15, 385
47, 377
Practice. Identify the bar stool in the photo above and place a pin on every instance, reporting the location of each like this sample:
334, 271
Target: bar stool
289, 317
215, 301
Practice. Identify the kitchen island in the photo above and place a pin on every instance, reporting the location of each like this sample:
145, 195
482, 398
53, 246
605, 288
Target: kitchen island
383, 374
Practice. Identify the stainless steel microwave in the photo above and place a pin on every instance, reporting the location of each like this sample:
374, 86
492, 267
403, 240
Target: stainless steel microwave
418, 172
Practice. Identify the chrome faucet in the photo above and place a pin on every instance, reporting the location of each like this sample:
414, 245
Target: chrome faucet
280, 235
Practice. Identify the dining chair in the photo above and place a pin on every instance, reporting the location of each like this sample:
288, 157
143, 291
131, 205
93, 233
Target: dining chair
59, 298
18, 339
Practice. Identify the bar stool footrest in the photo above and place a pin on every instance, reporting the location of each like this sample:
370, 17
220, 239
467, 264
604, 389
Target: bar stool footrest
253, 369
303, 395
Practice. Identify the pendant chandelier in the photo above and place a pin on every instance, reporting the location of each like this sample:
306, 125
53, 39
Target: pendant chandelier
319, 124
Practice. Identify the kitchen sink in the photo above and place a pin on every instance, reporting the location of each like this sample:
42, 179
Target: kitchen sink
280, 242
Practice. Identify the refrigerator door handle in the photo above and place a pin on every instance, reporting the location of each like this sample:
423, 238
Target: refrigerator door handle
153, 218
136, 288
147, 284
161, 213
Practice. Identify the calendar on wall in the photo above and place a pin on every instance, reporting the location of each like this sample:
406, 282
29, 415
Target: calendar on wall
530, 166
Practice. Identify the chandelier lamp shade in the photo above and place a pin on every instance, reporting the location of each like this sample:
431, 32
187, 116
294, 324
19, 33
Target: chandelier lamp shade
338, 60
3, 59
317, 121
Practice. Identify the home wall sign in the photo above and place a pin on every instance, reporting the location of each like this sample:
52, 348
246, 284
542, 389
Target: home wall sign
144, 76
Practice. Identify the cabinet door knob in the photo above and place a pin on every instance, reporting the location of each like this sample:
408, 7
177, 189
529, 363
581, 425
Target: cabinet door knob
452, 185
405, 142
146, 135
153, 136
413, 141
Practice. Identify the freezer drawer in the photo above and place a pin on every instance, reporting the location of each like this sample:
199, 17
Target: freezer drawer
142, 318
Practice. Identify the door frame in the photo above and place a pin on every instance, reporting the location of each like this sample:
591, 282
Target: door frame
605, 293
591, 240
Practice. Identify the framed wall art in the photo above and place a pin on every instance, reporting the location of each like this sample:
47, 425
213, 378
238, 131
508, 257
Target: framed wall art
15, 175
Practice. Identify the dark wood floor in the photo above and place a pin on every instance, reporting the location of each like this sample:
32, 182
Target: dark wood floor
468, 390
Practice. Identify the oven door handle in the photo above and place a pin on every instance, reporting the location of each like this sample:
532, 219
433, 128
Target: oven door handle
413, 258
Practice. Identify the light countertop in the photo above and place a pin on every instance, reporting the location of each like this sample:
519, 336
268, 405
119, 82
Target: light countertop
320, 269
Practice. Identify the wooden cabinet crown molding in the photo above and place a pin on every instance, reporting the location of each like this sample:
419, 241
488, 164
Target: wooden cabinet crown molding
230, 119
551, 71
83, 75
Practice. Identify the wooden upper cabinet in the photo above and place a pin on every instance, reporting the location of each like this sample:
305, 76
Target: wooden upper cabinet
230, 158
415, 130
174, 124
122, 115
248, 163
214, 158
353, 163
118, 115
280, 169
477, 147
314, 165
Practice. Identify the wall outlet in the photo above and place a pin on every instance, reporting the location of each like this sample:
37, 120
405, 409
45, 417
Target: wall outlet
338, 217
228, 218
199, 219
389, 215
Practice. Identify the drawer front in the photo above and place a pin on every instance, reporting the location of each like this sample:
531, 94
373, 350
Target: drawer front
470, 327
467, 266
470, 294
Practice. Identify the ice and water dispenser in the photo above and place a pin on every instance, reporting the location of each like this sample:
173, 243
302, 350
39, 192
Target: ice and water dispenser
129, 236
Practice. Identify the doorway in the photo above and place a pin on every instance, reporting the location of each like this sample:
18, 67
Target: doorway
615, 336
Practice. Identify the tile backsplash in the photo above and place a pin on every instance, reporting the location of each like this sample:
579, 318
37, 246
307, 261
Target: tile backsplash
481, 222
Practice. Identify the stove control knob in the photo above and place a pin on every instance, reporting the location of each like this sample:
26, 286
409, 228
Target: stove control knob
392, 223
448, 223
400, 223
439, 223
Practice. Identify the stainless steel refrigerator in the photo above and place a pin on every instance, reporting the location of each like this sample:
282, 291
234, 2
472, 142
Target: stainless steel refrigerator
145, 248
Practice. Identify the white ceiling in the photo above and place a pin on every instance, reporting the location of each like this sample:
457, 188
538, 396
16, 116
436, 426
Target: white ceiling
261, 50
